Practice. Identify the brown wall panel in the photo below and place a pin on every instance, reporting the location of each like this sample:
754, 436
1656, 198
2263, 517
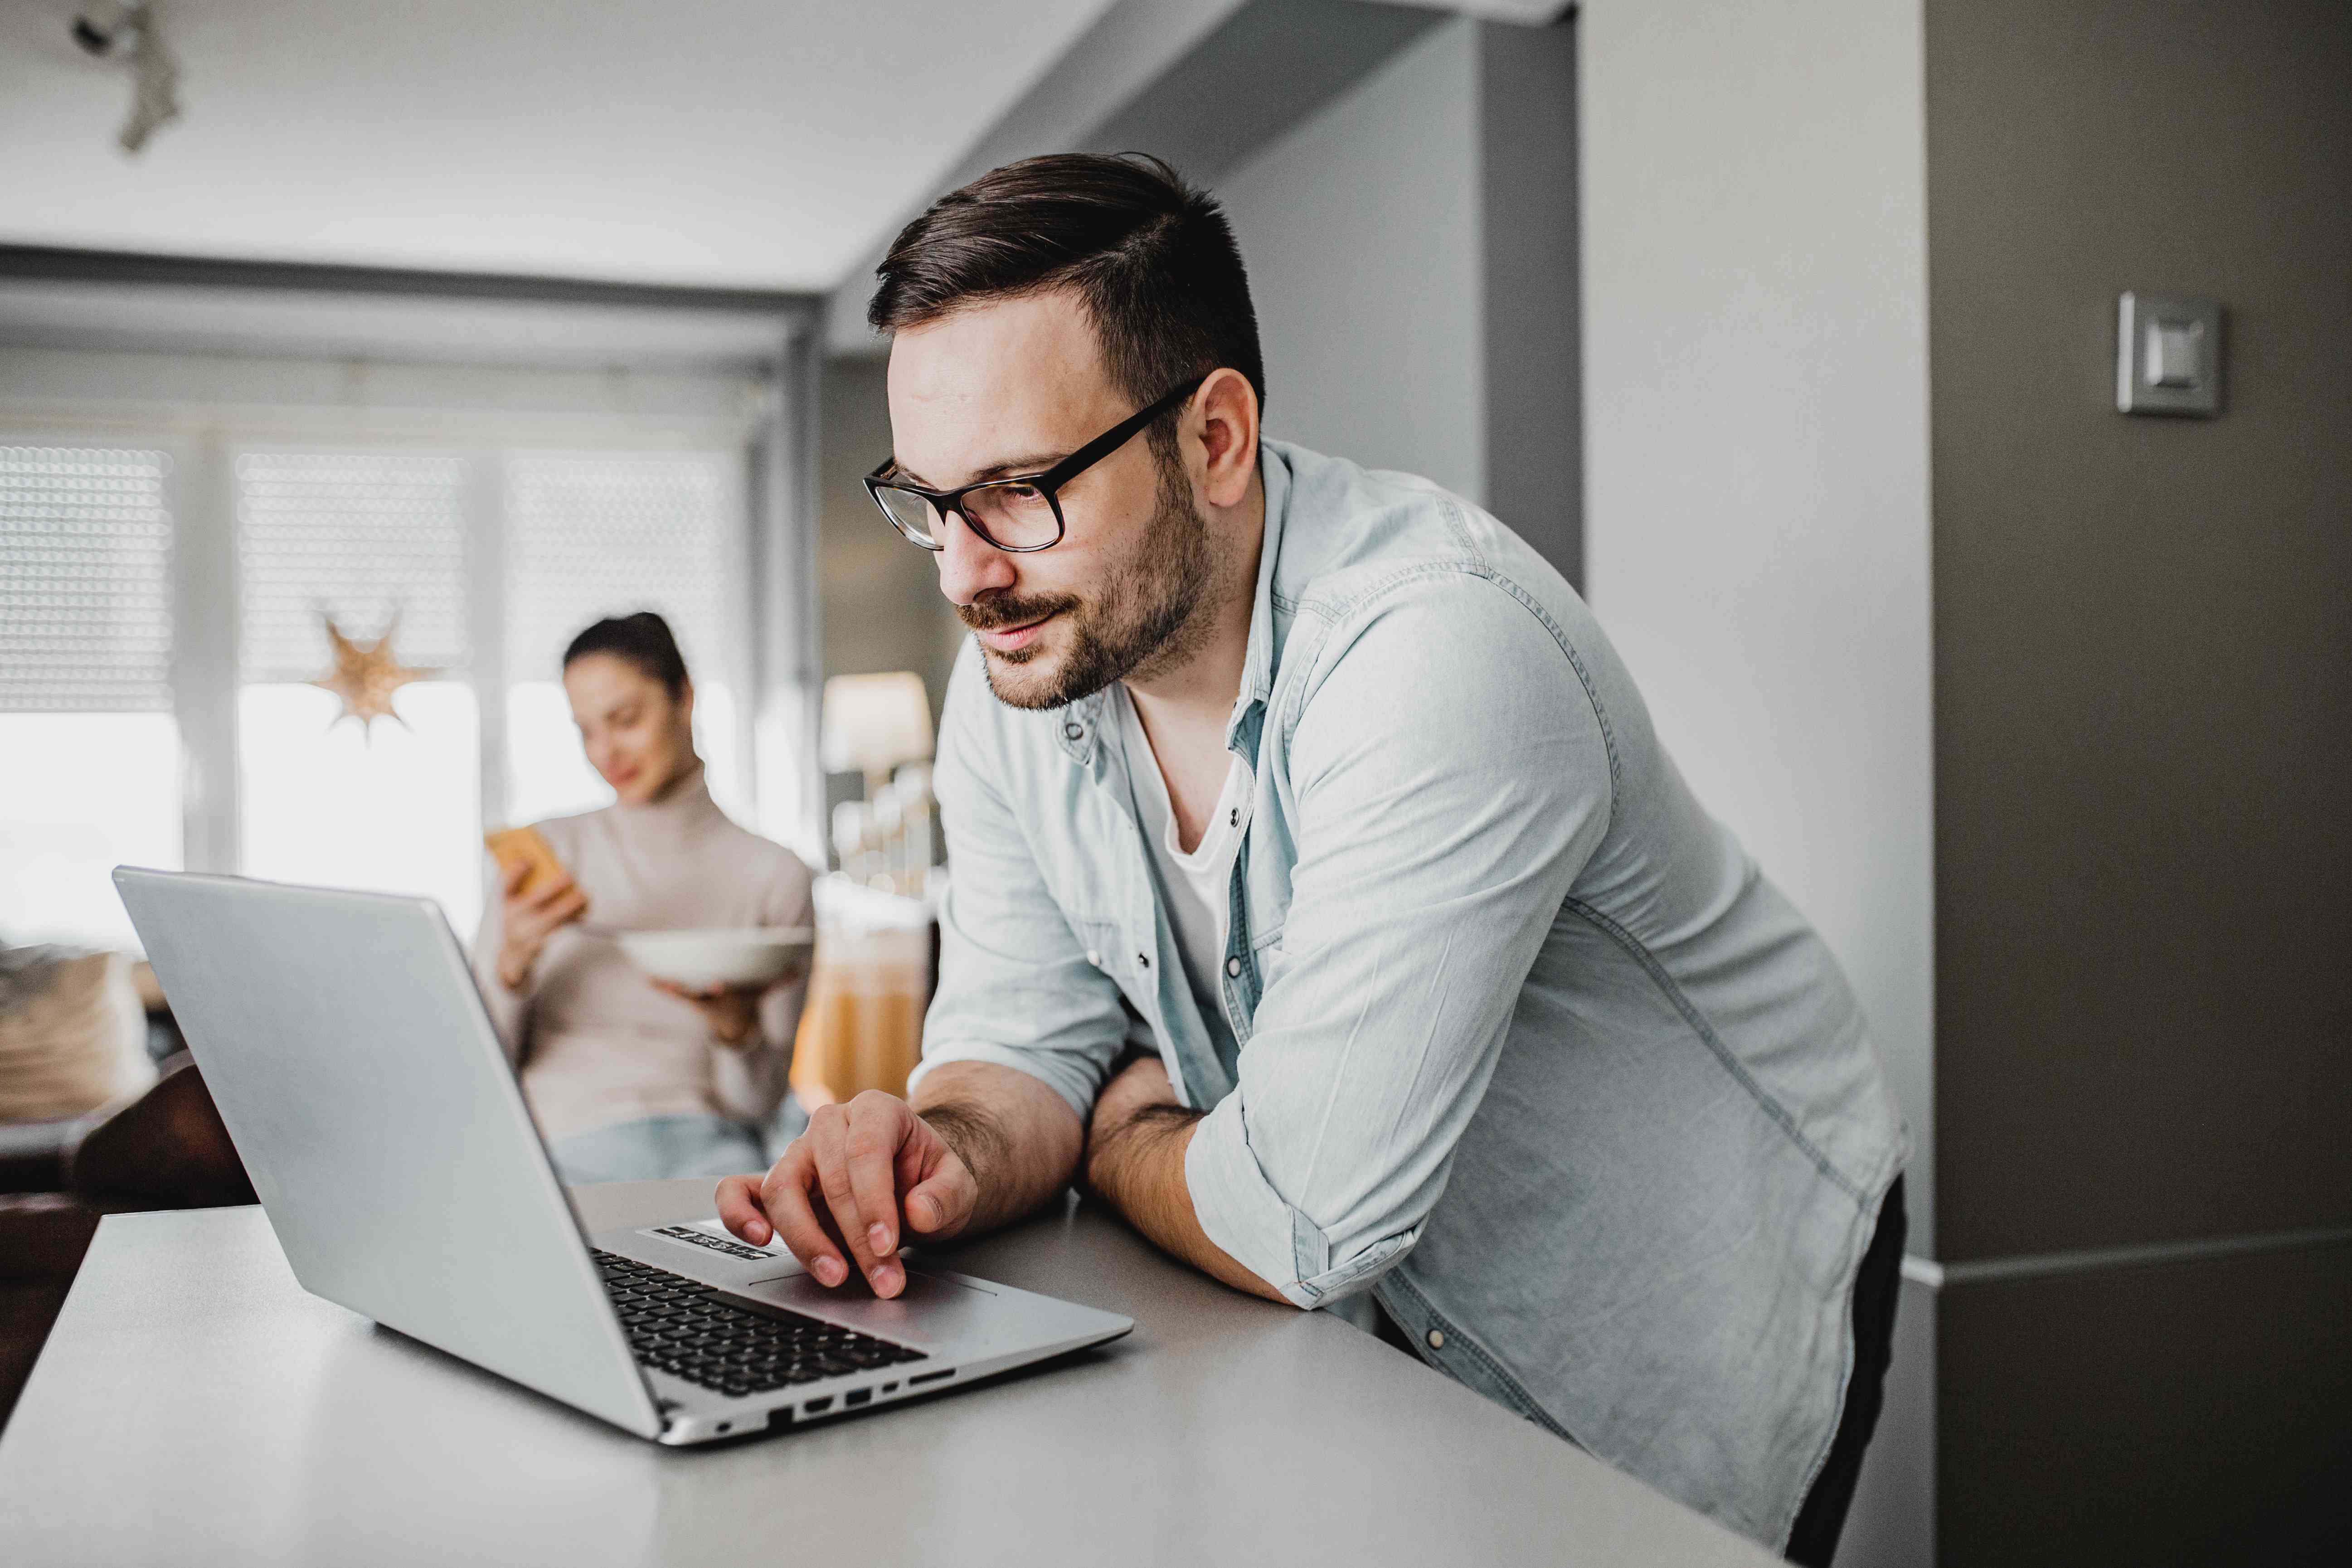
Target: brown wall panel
2144, 626
2188, 1413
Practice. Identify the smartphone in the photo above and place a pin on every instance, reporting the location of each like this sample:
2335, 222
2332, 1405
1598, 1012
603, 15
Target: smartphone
512, 846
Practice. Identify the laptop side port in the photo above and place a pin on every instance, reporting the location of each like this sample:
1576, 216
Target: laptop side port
817, 1406
855, 1397
922, 1378
780, 1417
889, 1388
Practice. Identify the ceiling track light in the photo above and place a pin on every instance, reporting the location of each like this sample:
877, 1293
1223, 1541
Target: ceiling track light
129, 31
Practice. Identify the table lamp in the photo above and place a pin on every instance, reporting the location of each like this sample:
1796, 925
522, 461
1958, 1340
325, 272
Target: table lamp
873, 724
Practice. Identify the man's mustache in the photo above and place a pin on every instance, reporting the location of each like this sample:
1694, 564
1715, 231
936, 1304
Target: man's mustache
996, 615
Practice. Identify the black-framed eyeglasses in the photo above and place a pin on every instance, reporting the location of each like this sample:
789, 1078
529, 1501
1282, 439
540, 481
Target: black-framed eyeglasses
1016, 514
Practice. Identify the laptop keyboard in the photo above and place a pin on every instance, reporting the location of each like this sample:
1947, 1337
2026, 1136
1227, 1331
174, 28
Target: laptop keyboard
687, 1328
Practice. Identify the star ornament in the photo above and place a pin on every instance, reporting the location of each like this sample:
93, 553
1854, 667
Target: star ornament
365, 677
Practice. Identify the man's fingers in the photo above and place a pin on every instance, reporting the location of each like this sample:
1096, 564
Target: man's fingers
937, 1190
785, 1197
739, 1210
828, 1140
510, 876
943, 1204
877, 1126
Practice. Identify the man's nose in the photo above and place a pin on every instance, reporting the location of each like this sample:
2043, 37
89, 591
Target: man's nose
969, 565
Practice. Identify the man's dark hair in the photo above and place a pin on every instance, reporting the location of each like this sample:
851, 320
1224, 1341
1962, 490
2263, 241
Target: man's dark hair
1152, 258
642, 639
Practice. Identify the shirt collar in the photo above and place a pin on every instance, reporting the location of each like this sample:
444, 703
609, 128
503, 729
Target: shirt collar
1257, 665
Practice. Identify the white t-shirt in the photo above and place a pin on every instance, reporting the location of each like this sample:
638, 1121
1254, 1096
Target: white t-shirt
1196, 885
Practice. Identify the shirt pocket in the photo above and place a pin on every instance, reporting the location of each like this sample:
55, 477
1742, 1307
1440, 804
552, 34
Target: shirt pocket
1107, 949
1267, 958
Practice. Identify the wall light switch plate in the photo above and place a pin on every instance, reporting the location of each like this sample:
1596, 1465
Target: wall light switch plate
2168, 355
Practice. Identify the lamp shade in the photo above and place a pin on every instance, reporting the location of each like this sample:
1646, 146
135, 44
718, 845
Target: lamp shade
874, 722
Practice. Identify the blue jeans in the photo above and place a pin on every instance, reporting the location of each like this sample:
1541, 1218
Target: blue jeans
659, 1147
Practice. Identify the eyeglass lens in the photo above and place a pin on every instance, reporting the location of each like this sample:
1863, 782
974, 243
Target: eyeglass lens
1011, 514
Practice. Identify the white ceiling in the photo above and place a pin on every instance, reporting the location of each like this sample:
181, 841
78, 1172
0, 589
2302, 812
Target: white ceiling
686, 141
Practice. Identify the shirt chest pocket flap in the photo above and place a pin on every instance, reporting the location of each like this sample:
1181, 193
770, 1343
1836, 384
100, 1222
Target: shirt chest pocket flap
1107, 949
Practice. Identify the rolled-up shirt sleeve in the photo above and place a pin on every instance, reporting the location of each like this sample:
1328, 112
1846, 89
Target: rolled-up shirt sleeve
1449, 777
1016, 987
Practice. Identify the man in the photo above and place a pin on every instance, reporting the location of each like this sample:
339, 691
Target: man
1323, 901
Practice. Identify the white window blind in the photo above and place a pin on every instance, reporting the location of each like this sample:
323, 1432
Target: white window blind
590, 535
362, 537
85, 580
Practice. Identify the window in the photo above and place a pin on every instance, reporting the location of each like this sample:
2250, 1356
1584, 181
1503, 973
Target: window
391, 542
164, 602
398, 810
378, 542
90, 773
594, 535
81, 794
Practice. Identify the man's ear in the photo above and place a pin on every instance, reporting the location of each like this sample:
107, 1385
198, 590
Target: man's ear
1223, 420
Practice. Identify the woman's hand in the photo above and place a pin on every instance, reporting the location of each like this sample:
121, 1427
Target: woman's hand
732, 1012
529, 921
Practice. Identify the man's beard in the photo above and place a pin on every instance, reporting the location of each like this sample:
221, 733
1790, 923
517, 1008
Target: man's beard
1148, 615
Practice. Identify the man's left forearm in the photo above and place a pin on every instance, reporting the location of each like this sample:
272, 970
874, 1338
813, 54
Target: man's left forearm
1135, 1161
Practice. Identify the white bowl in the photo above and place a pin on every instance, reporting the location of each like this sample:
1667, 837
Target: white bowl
700, 960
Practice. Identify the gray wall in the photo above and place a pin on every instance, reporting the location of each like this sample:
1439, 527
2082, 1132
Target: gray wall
1529, 283
1361, 230
1411, 247
880, 606
1756, 455
2143, 727
1756, 517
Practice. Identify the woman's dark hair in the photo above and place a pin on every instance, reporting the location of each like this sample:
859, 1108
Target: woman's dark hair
642, 639
1152, 258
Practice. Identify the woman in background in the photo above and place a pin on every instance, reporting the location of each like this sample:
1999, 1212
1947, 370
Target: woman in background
632, 1078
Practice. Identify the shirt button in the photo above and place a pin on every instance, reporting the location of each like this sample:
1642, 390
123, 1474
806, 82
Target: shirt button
1094, 958
1074, 731
1234, 967
1437, 1339
1143, 958
1235, 819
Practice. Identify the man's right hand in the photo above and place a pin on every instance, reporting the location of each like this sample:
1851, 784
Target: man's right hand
527, 922
863, 1176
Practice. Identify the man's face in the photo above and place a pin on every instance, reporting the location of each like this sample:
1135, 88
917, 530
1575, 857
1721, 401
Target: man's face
1013, 388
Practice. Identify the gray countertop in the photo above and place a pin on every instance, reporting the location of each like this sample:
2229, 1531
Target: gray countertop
194, 1406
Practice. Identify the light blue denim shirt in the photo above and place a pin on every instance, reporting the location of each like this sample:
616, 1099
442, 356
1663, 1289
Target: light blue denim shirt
1521, 1039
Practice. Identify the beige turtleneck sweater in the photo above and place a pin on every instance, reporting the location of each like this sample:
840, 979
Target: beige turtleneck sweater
596, 1043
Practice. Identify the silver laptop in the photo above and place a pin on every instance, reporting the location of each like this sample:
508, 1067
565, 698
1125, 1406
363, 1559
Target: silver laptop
357, 1071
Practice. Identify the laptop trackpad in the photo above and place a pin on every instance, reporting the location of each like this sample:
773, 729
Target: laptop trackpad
931, 1310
